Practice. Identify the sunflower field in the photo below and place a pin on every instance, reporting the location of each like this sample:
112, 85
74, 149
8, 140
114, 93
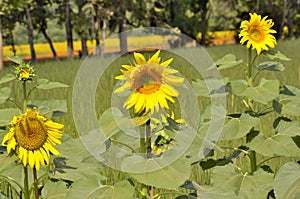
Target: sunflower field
220, 122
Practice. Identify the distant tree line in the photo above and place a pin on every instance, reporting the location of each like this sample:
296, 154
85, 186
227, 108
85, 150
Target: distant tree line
94, 19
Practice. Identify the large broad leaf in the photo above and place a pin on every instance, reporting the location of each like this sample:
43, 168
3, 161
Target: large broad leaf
227, 61
12, 171
205, 192
155, 172
276, 145
206, 87
287, 181
243, 185
238, 86
291, 108
71, 164
54, 190
273, 54
91, 188
238, 127
200, 88
265, 92
7, 78
272, 66
45, 84
6, 115
15, 59
112, 121
50, 107
4, 94
288, 128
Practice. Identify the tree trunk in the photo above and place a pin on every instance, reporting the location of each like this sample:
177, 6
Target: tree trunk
69, 29
83, 46
103, 31
43, 30
122, 28
30, 32
290, 23
12, 42
82, 32
204, 21
287, 19
1, 46
96, 30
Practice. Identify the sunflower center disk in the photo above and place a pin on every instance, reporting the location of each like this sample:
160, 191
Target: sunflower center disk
30, 133
148, 88
257, 35
148, 79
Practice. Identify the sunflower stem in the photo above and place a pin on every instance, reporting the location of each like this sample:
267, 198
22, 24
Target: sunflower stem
24, 96
252, 154
26, 186
148, 138
35, 182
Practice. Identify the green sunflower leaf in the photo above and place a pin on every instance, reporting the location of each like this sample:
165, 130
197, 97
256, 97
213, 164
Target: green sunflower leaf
158, 172
4, 94
265, 92
273, 54
288, 128
49, 107
205, 192
238, 127
226, 180
227, 61
271, 66
278, 144
7, 78
45, 84
15, 59
287, 181
54, 190
91, 188
6, 115
291, 108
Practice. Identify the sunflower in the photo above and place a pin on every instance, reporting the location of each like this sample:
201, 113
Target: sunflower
151, 83
257, 33
24, 72
33, 136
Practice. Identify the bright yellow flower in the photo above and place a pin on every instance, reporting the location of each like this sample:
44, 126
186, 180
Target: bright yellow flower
257, 33
33, 136
151, 83
24, 72
162, 143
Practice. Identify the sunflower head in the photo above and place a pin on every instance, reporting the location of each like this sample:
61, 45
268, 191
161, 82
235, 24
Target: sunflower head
257, 33
33, 136
162, 143
24, 72
151, 82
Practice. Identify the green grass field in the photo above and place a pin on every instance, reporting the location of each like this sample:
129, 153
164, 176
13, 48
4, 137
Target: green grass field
65, 71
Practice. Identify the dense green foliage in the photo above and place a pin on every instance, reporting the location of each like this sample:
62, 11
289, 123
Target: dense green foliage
222, 181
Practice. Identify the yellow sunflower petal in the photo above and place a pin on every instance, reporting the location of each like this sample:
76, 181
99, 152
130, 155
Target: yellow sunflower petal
49, 147
139, 58
31, 159
54, 125
45, 155
154, 59
37, 160
167, 62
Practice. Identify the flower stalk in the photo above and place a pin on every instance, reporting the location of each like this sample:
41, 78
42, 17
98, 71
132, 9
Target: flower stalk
35, 182
252, 154
26, 184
